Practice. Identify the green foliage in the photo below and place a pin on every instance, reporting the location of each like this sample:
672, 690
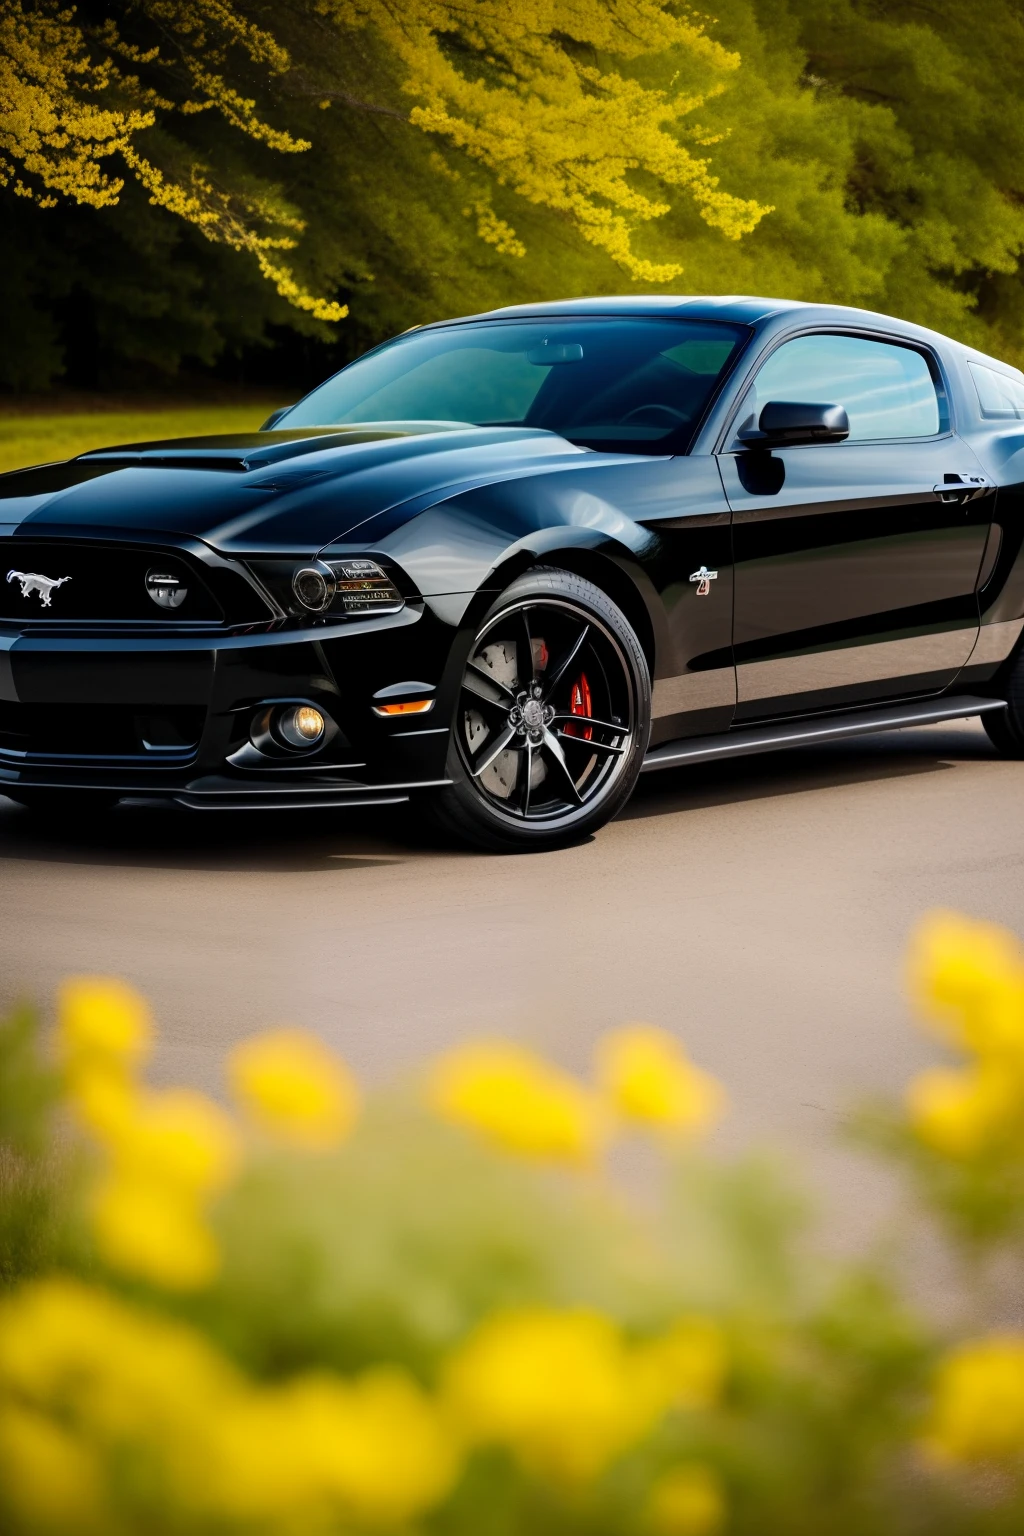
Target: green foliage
886, 143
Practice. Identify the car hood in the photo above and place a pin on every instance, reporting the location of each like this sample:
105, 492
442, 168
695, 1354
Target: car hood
289, 491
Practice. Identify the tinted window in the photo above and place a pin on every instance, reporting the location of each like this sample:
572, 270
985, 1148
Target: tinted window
636, 386
888, 391
998, 394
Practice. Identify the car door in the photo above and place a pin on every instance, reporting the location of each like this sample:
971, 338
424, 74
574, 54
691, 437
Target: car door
856, 562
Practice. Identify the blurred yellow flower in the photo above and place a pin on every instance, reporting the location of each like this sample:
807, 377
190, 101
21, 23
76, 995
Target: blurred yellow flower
553, 1387
104, 1102
294, 1088
519, 1101
648, 1077
962, 1113
147, 1228
684, 1368
968, 977
373, 1449
978, 1407
686, 1501
114, 1369
103, 1022
180, 1138
218, 1449
49, 1478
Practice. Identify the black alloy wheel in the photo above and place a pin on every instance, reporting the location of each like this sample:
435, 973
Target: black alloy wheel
552, 719
1005, 727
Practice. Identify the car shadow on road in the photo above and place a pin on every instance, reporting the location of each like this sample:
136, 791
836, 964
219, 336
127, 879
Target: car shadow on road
134, 837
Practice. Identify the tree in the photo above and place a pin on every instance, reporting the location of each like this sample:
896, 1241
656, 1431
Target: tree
541, 96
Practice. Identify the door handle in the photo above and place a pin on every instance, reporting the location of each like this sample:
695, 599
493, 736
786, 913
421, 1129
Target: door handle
959, 489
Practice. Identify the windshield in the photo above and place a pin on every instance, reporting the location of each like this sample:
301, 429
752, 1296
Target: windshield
623, 386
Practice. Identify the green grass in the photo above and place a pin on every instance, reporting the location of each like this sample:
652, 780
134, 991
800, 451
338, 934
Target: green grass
33, 435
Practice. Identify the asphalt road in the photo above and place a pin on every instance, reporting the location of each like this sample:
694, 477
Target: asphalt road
759, 908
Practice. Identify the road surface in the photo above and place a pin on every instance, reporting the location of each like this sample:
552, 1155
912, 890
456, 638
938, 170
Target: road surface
759, 908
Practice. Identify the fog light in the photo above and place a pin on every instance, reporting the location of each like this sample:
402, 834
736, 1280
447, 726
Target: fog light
300, 726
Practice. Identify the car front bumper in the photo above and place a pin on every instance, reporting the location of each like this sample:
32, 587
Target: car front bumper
169, 715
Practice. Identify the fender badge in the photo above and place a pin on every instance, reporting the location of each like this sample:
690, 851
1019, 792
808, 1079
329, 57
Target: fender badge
704, 578
43, 586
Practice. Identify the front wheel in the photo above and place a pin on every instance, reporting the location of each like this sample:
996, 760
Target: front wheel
552, 718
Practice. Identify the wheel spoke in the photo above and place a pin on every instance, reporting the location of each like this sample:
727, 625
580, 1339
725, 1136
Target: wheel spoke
525, 805
599, 725
591, 745
493, 750
497, 713
554, 749
555, 677
476, 679
524, 651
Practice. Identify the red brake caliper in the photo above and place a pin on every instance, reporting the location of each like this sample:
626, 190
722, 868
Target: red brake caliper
579, 704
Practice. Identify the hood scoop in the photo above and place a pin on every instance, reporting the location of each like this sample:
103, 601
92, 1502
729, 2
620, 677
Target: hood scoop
241, 453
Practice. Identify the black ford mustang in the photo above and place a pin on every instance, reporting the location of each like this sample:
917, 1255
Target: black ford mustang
512, 561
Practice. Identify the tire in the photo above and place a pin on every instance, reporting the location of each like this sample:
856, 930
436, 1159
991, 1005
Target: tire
547, 740
1005, 727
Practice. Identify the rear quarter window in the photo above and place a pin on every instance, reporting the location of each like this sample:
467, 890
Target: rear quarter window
999, 395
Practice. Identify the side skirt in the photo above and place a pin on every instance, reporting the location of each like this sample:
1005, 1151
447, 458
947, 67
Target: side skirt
801, 733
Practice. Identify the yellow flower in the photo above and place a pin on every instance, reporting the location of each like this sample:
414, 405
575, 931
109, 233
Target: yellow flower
222, 1450
962, 1113
104, 1101
647, 1076
518, 1101
177, 1137
978, 1409
117, 1371
375, 1449
103, 1022
553, 1387
294, 1088
687, 1501
49, 1477
149, 1229
969, 978
684, 1368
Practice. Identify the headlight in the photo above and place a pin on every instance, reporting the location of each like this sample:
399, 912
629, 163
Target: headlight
362, 587
314, 586
330, 589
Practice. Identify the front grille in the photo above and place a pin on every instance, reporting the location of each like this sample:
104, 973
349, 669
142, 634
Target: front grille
65, 581
50, 733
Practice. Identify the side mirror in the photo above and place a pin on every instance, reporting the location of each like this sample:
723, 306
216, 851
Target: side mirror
784, 423
274, 417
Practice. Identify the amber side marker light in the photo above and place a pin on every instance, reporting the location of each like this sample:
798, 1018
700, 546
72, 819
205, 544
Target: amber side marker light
411, 707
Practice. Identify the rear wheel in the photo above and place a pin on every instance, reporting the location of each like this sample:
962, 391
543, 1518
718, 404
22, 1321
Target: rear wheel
1005, 727
552, 718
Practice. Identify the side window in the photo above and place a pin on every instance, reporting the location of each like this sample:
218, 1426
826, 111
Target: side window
998, 394
888, 390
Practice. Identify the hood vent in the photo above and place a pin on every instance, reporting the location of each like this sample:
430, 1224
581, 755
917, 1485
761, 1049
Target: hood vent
241, 453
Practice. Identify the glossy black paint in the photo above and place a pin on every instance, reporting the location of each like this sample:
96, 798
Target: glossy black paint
842, 577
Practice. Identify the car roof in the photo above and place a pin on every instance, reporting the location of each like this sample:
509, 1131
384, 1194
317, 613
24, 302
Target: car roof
742, 309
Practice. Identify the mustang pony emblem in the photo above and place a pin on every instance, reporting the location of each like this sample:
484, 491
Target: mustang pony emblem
44, 586
704, 578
